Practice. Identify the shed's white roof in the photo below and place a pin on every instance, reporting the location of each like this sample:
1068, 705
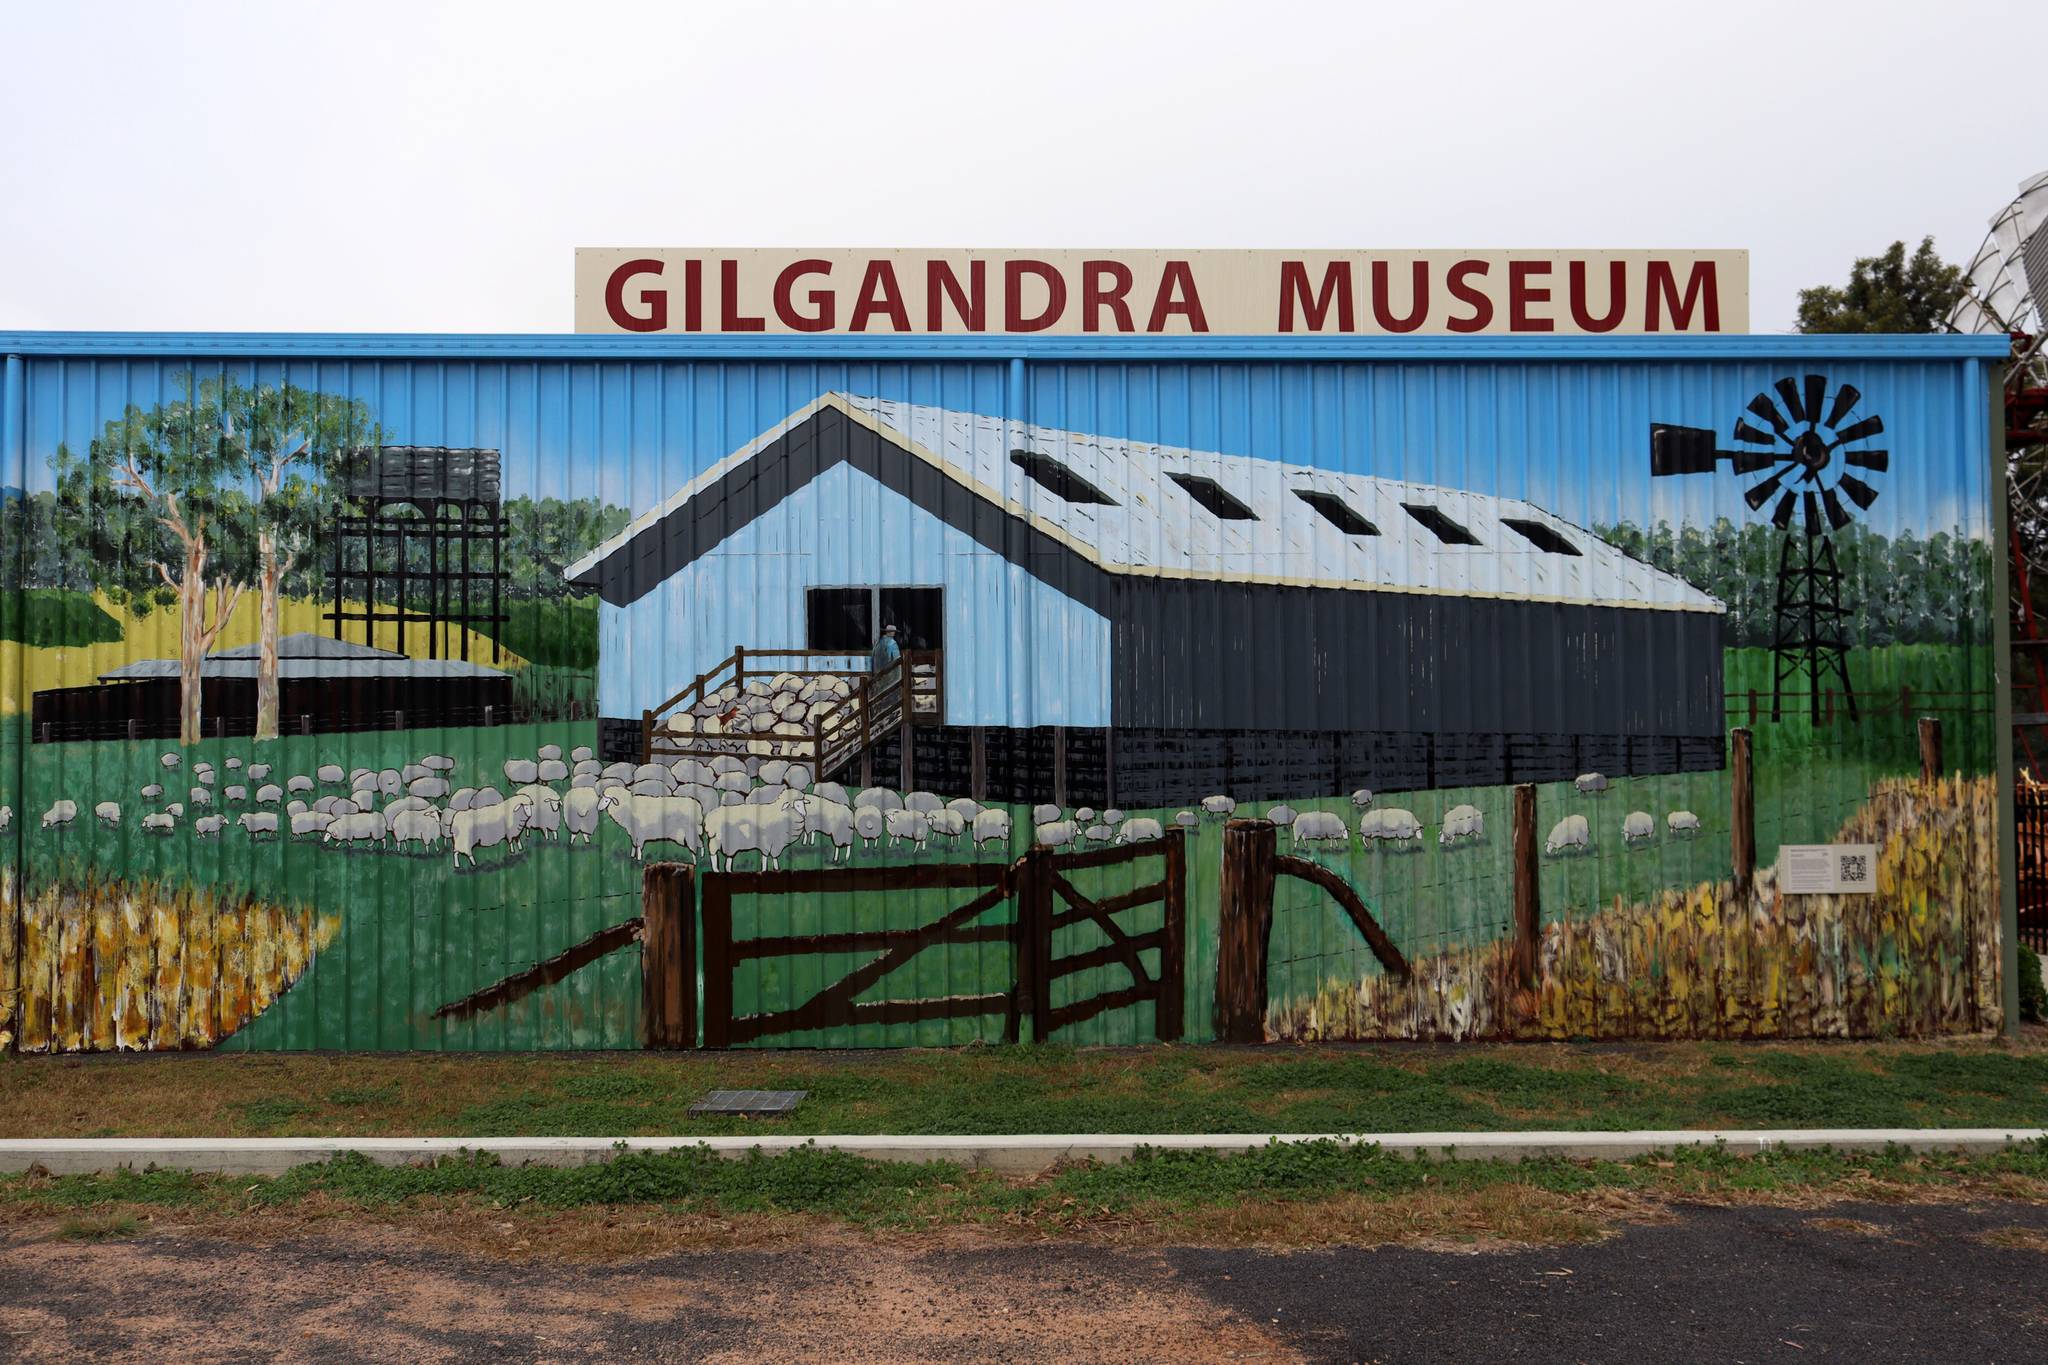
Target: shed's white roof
1153, 525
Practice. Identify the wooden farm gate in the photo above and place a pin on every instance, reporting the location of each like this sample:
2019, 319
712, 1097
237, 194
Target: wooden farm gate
1046, 906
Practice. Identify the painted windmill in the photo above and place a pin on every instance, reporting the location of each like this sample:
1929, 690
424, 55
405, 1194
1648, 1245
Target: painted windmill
1807, 448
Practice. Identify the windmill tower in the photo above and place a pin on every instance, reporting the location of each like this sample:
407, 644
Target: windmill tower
1808, 448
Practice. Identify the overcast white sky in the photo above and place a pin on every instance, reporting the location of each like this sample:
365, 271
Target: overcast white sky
431, 167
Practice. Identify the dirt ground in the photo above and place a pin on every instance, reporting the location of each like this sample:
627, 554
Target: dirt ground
1849, 1282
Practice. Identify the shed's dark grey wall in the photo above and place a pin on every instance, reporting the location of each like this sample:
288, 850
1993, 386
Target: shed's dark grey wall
1202, 655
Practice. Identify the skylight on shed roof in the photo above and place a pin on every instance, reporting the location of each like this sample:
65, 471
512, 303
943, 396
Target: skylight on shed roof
1055, 477
1446, 530
1213, 496
1539, 535
1337, 512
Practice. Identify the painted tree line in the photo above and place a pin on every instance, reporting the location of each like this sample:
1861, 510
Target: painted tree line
229, 491
1907, 589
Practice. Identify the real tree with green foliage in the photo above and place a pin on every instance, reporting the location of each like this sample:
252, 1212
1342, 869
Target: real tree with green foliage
1886, 293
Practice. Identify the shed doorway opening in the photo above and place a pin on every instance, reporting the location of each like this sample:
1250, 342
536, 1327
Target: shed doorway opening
851, 619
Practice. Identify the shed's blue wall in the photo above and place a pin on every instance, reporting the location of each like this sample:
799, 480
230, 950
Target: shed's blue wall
1017, 652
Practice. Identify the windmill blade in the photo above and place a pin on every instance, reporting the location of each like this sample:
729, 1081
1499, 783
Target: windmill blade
1763, 407
1816, 390
1860, 493
1789, 391
1838, 515
1812, 512
1869, 426
1783, 516
1763, 492
1752, 461
1879, 460
1750, 435
1845, 398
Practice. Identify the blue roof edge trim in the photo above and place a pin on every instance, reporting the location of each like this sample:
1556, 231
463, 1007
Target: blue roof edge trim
591, 346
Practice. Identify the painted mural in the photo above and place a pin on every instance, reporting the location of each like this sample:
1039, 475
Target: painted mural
505, 703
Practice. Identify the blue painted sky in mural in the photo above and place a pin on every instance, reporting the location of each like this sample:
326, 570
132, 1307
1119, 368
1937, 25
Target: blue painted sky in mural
1572, 437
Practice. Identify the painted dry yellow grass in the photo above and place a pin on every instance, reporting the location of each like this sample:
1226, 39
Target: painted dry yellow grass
25, 669
133, 965
1917, 958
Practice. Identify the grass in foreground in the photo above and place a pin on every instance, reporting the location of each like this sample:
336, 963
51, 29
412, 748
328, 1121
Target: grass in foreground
1317, 1193
1043, 1089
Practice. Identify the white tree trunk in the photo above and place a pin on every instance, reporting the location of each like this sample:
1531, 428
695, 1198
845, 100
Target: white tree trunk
191, 643
266, 660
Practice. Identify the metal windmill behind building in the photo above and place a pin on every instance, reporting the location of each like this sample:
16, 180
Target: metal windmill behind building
1807, 445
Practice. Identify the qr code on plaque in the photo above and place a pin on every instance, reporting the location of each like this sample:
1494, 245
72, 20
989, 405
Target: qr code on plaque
1855, 868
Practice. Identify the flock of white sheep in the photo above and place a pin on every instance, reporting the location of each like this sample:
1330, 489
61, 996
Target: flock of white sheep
718, 807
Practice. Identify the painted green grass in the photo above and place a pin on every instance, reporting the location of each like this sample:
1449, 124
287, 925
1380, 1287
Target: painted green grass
54, 618
557, 633
417, 933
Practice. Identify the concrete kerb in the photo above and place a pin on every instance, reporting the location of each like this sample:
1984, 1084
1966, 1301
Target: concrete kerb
1016, 1154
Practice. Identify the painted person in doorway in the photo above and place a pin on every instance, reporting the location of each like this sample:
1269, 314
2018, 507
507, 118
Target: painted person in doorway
881, 664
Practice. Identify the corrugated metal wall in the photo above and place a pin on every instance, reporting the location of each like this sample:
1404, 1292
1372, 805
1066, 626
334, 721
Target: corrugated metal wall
178, 934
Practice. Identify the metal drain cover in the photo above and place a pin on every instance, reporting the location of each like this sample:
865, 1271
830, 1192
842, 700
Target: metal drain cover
758, 1103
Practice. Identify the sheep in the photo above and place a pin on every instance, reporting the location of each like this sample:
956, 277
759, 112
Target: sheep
486, 796
924, 803
234, 763
258, 821
686, 771
907, 826
991, 826
1138, 830
108, 813
1282, 815
775, 772
408, 803
422, 827
363, 781
1044, 814
868, 824
553, 770
947, 824
1319, 827
1682, 822
362, 826
485, 826
199, 796
831, 791
237, 793
329, 773
833, 819
169, 760
430, 786
298, 784
1461, 822
176, 810
1638, 827
1113, 816
764, 796
880, 798
1100, 833
326, 805
158, 822
767, 830
966, 807
726, 763
1218, 805
652, 819
548, 753
208, 826
649, 772
388, 782
580, 813
295, 807
309, 822
1085, 815
622, 772
6, 817
152, 791
269, 794
520, 771
258, 771
462, 798
650, 789
734, 782
1361, 798
580, 754
546, 817
1570, 832
1054, 833
1389, 823
1590, 784
1187, 819
203, 774
411, 771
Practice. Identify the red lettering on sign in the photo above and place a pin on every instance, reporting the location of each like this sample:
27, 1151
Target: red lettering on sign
1315, 309
1521, 294
1702, 290
1617, 298
879, 294
1013, 296
1482, 306
941, 285
693, 295
1418, 303
1177, 295
819, 319
1095, 295
654, 300
729, 317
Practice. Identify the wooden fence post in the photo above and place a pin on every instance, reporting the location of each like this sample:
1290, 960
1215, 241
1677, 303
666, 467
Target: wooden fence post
1742, 832
906, 756
1059, 765
1931, 767
1528, 895
668, 956
1169, 1010
1245, 924
1031, 942
977, 763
